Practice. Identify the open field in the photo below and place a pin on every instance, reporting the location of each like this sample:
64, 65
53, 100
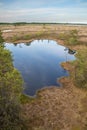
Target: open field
31, 31
54, 108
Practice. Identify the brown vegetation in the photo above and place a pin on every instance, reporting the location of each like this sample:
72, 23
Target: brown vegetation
20, 33
54, 108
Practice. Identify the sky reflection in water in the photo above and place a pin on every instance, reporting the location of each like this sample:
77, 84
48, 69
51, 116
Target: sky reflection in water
39, 63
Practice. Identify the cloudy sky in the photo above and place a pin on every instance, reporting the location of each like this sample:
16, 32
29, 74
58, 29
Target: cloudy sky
73, 11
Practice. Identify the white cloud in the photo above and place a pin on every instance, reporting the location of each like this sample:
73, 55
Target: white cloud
44, 15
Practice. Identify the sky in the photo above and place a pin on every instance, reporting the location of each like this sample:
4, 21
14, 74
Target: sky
59, 11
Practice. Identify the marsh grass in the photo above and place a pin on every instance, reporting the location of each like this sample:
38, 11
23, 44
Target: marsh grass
26, 99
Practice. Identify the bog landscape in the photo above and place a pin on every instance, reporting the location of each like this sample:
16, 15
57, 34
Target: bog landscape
43, 73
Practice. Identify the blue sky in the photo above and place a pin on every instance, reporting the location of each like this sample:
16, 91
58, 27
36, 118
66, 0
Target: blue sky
73, 11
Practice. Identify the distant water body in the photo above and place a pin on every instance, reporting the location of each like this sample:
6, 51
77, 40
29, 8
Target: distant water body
39, 63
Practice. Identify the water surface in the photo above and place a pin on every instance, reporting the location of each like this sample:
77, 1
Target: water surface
39, 63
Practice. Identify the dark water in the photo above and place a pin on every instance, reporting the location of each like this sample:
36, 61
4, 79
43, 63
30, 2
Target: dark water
39, 63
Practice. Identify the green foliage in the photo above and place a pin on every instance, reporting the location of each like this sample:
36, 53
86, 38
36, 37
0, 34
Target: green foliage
27, 36
62, 36
5, 61
1, 39
10, 92
72, 41
81, 69
70, 38
15, 38
26, 99
73, 37
40, 33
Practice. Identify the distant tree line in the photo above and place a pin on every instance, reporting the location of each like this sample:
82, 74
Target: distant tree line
25, 23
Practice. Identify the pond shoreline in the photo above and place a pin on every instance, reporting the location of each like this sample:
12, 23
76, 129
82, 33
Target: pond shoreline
46, 48
61, 96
